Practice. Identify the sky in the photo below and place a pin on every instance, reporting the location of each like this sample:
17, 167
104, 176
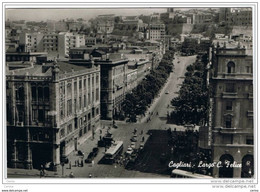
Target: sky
57, 14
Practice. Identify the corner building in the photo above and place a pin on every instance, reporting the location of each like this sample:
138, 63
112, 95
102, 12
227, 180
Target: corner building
51, 110
232, 113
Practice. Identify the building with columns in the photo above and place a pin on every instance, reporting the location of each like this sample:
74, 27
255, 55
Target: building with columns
51, 110
232, 112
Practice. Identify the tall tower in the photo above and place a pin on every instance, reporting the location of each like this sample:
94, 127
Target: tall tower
232, 113
171, 12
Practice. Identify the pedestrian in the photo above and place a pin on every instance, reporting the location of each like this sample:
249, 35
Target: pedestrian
143, 139
100, 131
75, 163
69, 165
82, 164
78, 163
71, 175
41, 173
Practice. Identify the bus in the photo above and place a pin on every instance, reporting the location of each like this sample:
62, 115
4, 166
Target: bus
177, 173
113, 152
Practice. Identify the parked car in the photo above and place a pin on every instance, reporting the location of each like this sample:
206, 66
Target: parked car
133, 157
89, 158
133, 139
80, 153
132, 145
129, 151
166, 92
95, 151
141, 146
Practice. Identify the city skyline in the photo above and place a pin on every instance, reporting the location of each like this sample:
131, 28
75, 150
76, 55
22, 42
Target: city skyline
58, 14
44, 14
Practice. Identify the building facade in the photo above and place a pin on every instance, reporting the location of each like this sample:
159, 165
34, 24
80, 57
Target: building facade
113, 86
32, 41
51, 110
105, 24
201, 18
236, 16
66, 41
156, 31
50, 43
232, 113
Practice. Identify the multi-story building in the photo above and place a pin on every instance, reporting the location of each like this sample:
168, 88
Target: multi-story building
51, 109
155, 17
105, 24
157, 31
171, 13
113, 69
131, 79
232, 112
69, 40
201, 18
50, 43
33, 41
23, 56
90, 40
236, 16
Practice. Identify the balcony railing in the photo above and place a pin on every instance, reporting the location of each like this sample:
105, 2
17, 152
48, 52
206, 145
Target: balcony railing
224, 130
250, 113
250, 95
229, 95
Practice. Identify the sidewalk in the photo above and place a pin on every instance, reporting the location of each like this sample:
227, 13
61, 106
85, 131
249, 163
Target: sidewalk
85, 147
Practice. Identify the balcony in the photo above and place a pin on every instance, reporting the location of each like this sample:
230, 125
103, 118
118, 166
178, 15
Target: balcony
250, 113
250, 95
229, 95
234, 130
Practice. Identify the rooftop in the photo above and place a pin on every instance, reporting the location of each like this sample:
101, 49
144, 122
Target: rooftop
46, 69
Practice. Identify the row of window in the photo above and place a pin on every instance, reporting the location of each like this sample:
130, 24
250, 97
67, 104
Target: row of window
69, 88
79, 123
231, 88
82, 104
40, 94
228, 139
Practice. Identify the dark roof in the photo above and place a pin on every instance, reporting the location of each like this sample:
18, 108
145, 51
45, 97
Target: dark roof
67, 67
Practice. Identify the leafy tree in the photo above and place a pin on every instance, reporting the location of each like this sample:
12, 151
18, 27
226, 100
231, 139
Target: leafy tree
191, 104
136, 103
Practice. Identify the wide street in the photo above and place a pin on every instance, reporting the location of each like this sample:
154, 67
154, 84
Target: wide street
125, 131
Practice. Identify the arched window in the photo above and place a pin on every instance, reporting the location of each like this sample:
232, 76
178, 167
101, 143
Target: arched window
231, 67
225, 170
247, 166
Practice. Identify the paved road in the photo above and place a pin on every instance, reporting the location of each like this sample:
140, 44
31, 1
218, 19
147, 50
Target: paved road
125, 131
